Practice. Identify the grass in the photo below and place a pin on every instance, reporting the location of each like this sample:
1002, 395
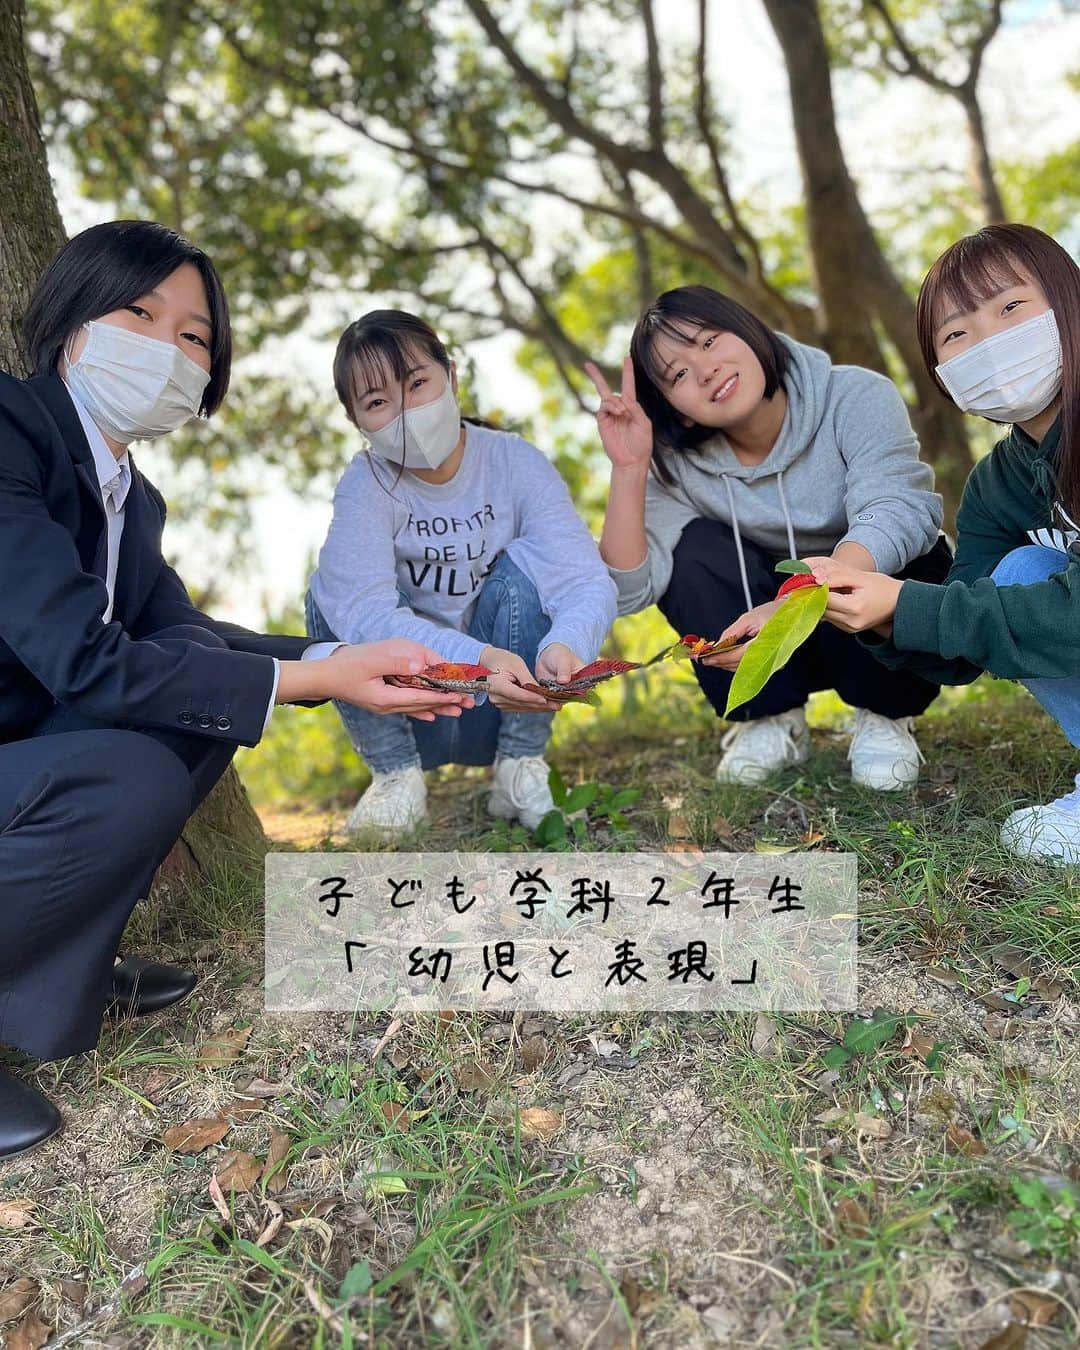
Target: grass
730, 1179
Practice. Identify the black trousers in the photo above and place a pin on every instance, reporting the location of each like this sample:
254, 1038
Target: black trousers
88, 811
705, 594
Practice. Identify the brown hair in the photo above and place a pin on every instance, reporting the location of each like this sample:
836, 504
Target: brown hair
976, 268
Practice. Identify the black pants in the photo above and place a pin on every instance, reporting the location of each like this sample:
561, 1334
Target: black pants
705, 594
88, 811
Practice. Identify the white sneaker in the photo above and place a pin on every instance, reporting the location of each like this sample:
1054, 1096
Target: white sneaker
520, 789
393, 804
758, 748
884, 753
1051, 831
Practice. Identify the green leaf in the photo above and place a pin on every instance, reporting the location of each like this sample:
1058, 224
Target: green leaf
835, 1058
771, 650
357, 1280
863, 1037
557, 786
794, 566
582, 796
551, 828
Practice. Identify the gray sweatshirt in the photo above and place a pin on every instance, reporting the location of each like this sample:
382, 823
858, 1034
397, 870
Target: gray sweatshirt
845, 467
434, 542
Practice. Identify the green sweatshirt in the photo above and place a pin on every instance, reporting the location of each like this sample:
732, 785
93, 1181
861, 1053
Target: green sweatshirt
953, 632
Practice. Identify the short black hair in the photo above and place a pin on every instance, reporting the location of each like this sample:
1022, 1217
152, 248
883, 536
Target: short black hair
680, 314
109, 266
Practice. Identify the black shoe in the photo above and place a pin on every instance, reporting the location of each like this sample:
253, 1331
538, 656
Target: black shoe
140, 987
26, 1117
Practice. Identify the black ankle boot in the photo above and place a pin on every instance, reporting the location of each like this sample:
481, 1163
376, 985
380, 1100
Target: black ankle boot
26, 1117
140, 987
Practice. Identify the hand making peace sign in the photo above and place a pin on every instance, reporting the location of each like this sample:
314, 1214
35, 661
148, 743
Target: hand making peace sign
625, 431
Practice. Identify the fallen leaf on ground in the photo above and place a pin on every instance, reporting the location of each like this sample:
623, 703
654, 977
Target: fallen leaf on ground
280, 1143
961, 1140
241, 1108
1014, 1337
30, 1334
1036, 1309
194, 1135
238, 1171
537, 1122
873, 1126
218, 1197
17, 1297
851, 1218
277, 1218
259, 1087
16, 1213
472, 1076
224, 1048
395, 1114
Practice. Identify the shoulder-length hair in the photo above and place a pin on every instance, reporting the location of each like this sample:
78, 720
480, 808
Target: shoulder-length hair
681, 314
978, 267
112, 265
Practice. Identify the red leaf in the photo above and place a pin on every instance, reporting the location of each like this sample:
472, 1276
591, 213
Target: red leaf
794, 583
602, 670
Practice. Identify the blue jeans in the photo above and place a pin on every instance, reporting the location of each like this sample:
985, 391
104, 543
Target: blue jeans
507, 615
1061, 698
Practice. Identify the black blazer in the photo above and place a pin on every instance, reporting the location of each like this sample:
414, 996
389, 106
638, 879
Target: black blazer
53, 646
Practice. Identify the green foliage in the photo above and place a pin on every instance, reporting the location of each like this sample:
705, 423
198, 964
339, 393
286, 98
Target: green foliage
1048, 1220
780, 635
863, 1038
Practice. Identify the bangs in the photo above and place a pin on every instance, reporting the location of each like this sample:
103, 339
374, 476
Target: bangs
377, 363
681, 328
973, 270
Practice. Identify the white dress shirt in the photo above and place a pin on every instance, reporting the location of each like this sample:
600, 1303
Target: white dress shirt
114, 479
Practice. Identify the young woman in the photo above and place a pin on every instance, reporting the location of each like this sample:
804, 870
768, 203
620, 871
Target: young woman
464, 538
733, 447
999, 324
121, 704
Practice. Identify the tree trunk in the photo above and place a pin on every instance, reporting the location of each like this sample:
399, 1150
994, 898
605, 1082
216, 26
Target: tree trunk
855, 281
981, 167
31, 231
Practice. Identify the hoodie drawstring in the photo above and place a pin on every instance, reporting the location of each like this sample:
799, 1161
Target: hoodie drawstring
738, 543
787, 514
738, 534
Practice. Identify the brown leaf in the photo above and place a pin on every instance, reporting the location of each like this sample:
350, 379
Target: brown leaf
238, 1171
74, 1292
280, 1143
534, 1052
918, 1045
1016, 1074
537, 1122
259, 1087
1001, 1028
1046, 989
1036, 1309
723, 828
811, 838
241, 1108
30, 1334
224, 1048
16, 1213
17, 1297
472, 1076
960, 1140
218, 1197
679, 827
157, 1080
395, 1114
851, 1218
309, 1206
195, 1135
873, 1126
1014, 1337
277, 1218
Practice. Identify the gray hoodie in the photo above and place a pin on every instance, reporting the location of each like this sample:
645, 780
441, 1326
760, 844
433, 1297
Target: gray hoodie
845, 467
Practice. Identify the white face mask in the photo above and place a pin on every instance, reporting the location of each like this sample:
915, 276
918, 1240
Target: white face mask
429, 433
135, 387
1011, 376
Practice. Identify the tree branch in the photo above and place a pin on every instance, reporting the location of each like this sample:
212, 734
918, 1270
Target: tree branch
654, 76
